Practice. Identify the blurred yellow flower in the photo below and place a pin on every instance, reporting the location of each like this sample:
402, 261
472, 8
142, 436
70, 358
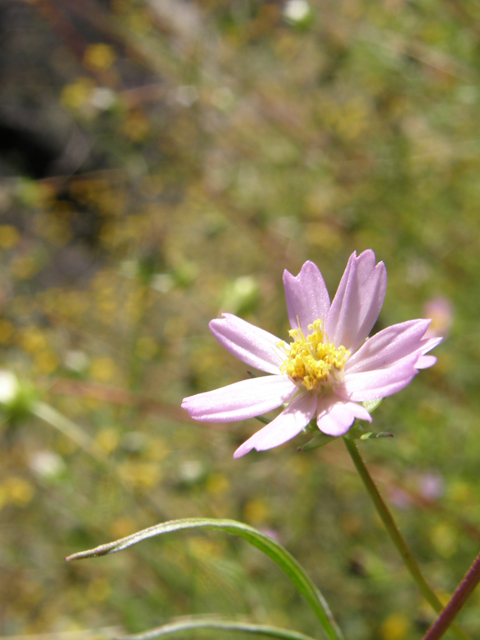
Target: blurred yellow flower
99, 57
17, 491
103, 369
32, 340
146, 347
217, 484
46, 361
75, 95
256, 512
121, 527
158, 449
108, 439
6, 331
396, 627
9, 236
445, 540
139, 22
141, 475
24, 267
136, 126
98, 590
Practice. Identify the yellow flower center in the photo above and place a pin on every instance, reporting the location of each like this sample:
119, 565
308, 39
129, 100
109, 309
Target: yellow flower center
313, 360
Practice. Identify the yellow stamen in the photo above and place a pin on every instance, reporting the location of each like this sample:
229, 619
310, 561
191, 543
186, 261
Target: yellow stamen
313, 361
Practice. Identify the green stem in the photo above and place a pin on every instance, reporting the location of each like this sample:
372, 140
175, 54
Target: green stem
395, 534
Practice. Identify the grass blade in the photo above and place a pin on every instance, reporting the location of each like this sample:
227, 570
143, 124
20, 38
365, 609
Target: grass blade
187, 624
266, 545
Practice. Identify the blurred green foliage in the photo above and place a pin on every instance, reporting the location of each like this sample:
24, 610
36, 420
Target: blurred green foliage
203, 147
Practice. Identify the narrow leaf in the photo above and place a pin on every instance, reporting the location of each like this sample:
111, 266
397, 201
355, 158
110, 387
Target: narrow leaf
269, 547
188, 624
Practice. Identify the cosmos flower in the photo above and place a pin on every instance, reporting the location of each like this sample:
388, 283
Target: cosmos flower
330, 365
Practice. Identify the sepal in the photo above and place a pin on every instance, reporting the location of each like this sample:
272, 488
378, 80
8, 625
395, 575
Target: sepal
357, 432
320, 440
371, 405
370, 435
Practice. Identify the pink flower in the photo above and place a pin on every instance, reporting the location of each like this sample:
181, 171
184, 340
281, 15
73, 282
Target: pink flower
329, 367
441, 310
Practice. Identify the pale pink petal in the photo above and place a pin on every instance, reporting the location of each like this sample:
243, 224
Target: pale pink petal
430, 343
371, 385
389, 346
424, 362
335, 417
241, 400
358, 301
307, 296
285, 426
248, 343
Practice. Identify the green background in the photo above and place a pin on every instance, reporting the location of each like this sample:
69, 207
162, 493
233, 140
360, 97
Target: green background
192, 151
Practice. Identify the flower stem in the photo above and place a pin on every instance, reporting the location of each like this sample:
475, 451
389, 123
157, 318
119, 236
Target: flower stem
395, 534
461, 595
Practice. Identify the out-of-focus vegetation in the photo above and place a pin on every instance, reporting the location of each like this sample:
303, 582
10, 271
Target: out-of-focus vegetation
163, 161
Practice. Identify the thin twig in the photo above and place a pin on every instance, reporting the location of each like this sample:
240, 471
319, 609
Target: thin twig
459, 598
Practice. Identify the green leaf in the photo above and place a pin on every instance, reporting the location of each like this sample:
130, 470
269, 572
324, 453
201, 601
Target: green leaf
188, 624
266, 545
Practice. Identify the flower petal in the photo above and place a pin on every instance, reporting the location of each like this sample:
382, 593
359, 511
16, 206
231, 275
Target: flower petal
379, 383
335, 417
248, 343
431, 343
285, 426
358, 301
307, 296
241, 400
424, 362
389, 346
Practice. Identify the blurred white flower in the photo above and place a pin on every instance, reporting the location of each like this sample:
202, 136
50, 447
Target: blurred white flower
103, 98
297, 11
9, 387
47, 464
76, 361
191, 470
